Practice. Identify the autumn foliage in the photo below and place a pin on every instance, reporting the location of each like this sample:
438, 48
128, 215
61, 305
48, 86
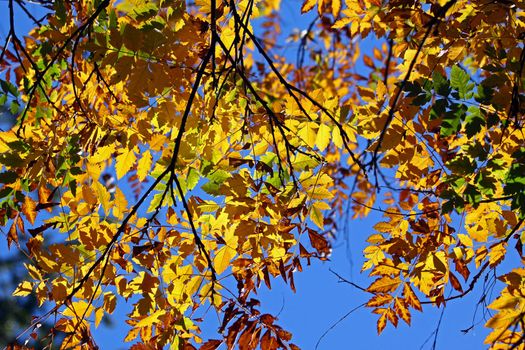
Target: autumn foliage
165, 155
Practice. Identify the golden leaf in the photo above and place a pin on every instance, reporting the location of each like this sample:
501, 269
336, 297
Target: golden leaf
308, 5
384, 284
144, 165
223, 258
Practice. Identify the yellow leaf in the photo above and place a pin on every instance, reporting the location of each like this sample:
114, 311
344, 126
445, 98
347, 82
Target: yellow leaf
374, 254
99, 313
497, 253
337, 139
410, 297
465, 239
223, 258
102, 154
504, 319
297, 202
78, 309
336, 7
436, 262
7, 137
103, 195
121, 204
323, 137
319, 193
381, 90
24, 289
505, 301
151, 319
124, 162
322, 205
384, 227
343, 22
308, 133
144, 165
132, 334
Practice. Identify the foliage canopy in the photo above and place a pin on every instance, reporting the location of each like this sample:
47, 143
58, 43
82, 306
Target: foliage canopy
164, 154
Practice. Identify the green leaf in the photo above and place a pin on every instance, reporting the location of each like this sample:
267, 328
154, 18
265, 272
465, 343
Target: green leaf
13, 108
216, 178
7, 87
211, 187
459, 80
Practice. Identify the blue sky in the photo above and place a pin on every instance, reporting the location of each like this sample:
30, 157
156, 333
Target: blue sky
321, 300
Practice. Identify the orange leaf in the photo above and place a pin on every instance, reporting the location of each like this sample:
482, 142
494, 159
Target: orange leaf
411, 297
402, 310
308, 5
29, 209
381, 322
379, 300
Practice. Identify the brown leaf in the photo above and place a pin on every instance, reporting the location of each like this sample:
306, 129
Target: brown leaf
211, 344
246, 336
12, 236
462, 268
234, 329
282, 271
284, 335
267, 278
267, 319
455, 282
268, 342
318, 242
